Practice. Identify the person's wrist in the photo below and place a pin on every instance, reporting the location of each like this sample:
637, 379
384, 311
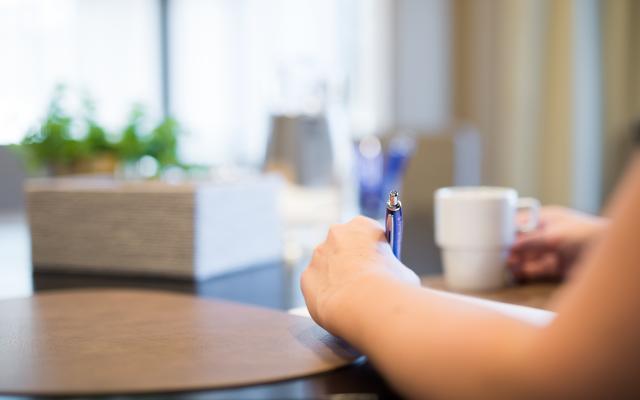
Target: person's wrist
597, 228
602, 224
354, 307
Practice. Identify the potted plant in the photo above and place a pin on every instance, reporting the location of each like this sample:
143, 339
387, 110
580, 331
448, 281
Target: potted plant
54, 147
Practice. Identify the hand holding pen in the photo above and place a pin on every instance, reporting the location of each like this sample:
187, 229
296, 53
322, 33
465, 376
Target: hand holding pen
349, 261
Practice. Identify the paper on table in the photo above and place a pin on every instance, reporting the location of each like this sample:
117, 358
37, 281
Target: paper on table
531, 315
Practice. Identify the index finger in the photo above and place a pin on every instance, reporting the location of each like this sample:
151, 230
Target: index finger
532, 241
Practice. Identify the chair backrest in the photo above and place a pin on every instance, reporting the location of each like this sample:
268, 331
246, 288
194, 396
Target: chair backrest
11, 180
450, 157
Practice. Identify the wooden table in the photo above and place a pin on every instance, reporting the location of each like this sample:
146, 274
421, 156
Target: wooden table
274, 286
361, 379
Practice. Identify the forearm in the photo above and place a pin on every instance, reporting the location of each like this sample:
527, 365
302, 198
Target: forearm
428, 345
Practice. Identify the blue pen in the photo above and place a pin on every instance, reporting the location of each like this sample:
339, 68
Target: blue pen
393, 223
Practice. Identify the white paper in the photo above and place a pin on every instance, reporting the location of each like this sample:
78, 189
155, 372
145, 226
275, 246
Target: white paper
531, 315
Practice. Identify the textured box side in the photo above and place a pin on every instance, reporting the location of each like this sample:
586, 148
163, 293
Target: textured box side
113, 231
238, 226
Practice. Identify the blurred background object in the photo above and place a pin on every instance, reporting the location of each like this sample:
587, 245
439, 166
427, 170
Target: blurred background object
451, 156
370, 172
380, 169
299, 148
539, 95
11, 180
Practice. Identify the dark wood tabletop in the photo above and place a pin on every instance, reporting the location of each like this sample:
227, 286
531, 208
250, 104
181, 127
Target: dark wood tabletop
273, 285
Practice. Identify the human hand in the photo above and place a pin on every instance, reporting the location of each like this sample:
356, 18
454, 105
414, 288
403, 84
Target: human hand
551, 250
352, 263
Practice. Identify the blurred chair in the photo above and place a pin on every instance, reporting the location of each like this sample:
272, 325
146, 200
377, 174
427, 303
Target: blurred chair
451, 157
11, 180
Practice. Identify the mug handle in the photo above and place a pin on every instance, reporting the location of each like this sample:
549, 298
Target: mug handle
533, 205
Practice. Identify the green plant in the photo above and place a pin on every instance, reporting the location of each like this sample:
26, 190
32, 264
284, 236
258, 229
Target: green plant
131, 146
51, 143
54, 146
162, 143
96, 139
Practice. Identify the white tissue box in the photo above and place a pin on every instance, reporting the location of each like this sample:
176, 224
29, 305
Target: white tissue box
186, 230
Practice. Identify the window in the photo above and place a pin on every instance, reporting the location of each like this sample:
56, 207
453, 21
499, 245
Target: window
230, 63
235, 62
106, 48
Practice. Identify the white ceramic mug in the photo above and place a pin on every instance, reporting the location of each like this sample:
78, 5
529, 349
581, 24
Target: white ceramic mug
475, 228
